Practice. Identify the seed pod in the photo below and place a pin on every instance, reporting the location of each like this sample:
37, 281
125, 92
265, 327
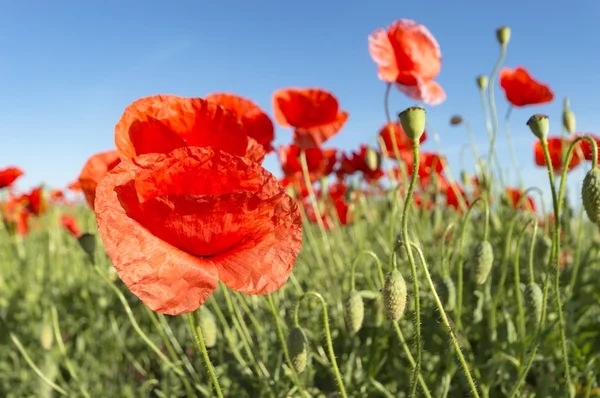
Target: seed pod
535, 297
449, 291
372, 159
298, 348
483, 258
503, 35
208, 325
394, 295
355, 311
590, 195
46, 336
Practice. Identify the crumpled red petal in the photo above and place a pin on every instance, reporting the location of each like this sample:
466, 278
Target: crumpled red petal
93, 170
161, 123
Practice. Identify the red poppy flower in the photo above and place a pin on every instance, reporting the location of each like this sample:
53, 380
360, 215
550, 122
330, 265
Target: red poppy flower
35, 201
93, 170
521, 89
453, 193
70, 224
403, 143
320, 162
514, 196
9, 175
257, 123
408, 55
429, 163
161, 123
56, 194
313, 113
555, 149
585, 147
175, 224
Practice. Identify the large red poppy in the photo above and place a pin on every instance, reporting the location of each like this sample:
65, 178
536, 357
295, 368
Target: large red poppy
521, 89
93, 170
408, 55
161, 123
9, 175
257, 123
313, 113
175, 224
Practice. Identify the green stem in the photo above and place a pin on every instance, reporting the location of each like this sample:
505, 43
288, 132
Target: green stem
511, 148
531, 253
332, 359
445, 269
413, 268
446, 322
368, 253
577, 259
313, 197
199, 341
517, 282
492, 80
286, 353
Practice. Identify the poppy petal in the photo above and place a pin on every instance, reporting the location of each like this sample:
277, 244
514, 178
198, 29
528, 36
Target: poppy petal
167, 279
382, 52
429, 92
92, 173
313, 137
294, 107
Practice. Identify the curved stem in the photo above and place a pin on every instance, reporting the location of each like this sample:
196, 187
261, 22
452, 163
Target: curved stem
577, 259
471, 139
445, 320
332, 359
199, 341
413, 268
445, 270
459, 287
531, 253
494, 113
517, 281
286, 353
368, 253
313, 197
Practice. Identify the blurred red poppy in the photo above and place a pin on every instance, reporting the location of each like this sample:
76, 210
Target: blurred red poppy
175, 224
585, 147
514, 195
74, 186
34, 201
93, 170
70, 224
408, 55
453, 193
161, 123
521, 89
320, 162
313, 113
555, 149
257, 123
403, 143
9, 175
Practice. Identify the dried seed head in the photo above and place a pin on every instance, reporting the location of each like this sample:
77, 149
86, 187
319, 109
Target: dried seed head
372, 159
503, 35
208, 325
449, 292
456, 120
535, 297
539, 125
482, 82
413, 122
355, 311
590, 195
394, 295
297, 344
483, 258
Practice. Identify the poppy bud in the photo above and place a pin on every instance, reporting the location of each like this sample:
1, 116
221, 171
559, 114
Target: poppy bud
503, 35
590, 195
46, 336
394, 295
355, 311
569, 122
455, 120
372, 159
298, 348
88, 244
482, 82
539, 126
208, 325
465, 178
413, 122
483, 258
535, 298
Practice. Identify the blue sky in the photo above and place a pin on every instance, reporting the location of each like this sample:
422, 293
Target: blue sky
69, 68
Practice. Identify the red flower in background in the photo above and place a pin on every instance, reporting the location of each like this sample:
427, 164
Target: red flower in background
408, 55
320, 162
429, 163
35, 201
175, 224
257, 123
93, 170
74, 186
313, 113
585, 147
453, 194
555, 149
70, 224
15, 215
162, 123
357, 161
403, 143
514, 196
9, 175
521, 89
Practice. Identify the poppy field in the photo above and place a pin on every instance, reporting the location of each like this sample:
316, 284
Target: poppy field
176, 265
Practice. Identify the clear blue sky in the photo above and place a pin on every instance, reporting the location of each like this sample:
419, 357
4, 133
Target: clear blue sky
69, 68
